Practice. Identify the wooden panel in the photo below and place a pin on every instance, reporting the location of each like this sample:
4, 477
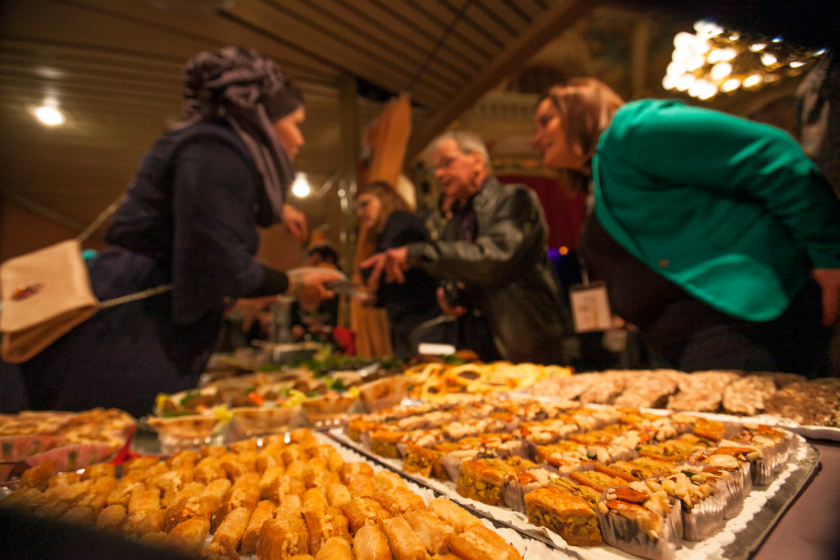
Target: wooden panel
359, 39
477, 21
392, 33
443, 17
509, 10
321, 44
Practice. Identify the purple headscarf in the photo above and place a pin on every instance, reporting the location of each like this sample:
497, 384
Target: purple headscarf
248, 91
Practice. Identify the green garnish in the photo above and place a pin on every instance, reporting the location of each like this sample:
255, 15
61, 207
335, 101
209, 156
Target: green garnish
250, 390
689, 474
189, 397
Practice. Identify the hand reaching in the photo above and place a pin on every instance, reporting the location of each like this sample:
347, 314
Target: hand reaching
295, 222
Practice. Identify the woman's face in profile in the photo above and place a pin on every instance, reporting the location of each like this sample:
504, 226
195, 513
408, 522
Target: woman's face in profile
551, 138
368, 207
288, 129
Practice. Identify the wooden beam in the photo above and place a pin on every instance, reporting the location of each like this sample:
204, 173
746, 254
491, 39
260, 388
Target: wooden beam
348, 112
639, 58
550, 25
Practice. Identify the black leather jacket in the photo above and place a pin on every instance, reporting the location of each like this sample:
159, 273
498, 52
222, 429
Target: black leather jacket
506, 272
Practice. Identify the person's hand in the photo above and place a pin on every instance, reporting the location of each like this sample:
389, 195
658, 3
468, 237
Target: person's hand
447, 309
310, 288
295, 222
394, 262
829, 281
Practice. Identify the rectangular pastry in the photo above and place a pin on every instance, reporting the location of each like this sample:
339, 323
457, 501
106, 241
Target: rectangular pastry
404, 543
569, 516
483, 480
432, 531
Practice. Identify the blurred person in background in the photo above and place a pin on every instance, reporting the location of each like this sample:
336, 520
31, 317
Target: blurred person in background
190, 219
716, 237
491, 257
387, 216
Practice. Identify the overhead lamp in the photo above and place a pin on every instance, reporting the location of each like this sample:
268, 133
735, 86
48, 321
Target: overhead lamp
49, 116
300, 187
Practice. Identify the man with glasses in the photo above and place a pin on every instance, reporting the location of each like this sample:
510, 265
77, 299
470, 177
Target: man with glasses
492, 259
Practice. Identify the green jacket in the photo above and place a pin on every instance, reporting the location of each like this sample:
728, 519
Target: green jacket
728, 209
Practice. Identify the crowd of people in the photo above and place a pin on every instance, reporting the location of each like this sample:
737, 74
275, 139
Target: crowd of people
717, 238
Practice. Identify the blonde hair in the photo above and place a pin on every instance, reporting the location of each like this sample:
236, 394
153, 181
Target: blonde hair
390, 199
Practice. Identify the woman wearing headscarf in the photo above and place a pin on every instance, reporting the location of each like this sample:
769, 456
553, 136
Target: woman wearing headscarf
387, 216
715, 235
190, 220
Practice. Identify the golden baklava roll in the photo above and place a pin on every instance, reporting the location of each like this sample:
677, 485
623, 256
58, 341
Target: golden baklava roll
37, 476
207, 470
100, 470
292, 453
432, 531
110, 517
315, 501
296, 469
400, 500
404, 543
82, 515
264, 512
289, 503
182, 458
217, 490
338, 495
139, 464
245, 493
265, 462
361, 487
244, 446
171, 482
332, 459
189, 536
232, 528
283, 537
234, 466
454, 515
60, 479
216, 451
97, 496
144, 514
363, 511
267, 479
370, 544
184, 505
480, 543
385, 481
351, 470
335, 548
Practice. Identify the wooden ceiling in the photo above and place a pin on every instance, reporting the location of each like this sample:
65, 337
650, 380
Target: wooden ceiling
113, 66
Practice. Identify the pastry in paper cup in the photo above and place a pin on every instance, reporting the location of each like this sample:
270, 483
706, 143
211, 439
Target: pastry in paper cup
384, 393
256, 421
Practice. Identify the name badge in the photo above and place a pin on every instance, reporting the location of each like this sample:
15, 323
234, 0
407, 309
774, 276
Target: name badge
590, 308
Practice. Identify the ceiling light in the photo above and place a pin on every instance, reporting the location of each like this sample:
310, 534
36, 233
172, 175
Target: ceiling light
753, 80
50, 116
757, 47
731, 84
721, 70
300, 187
796, 64
676, 69
686, 81
694, 63
681, 54
670, 82
683, 40
767, 59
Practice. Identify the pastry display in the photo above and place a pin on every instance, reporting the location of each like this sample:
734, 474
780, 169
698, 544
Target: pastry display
638, 481
243, 509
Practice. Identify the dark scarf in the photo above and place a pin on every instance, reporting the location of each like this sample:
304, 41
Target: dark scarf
250, 93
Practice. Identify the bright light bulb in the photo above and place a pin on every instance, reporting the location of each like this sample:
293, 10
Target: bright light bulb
796, 64
714, 56
49, 115
757, 47
731, 84
778, 39
694, 63
685, 82
708, 91
734, 37
767, 59
670, 82
755, 79
681, 55
727, 54
721, 70
819, 52
697, 88
676, 69
683, 40
701, 45
300, 188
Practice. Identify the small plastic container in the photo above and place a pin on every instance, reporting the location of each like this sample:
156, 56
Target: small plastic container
384, 393
184, 432
631, 536
259, 421
327, 411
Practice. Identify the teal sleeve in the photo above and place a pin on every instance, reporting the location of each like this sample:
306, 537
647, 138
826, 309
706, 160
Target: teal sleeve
674, 144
